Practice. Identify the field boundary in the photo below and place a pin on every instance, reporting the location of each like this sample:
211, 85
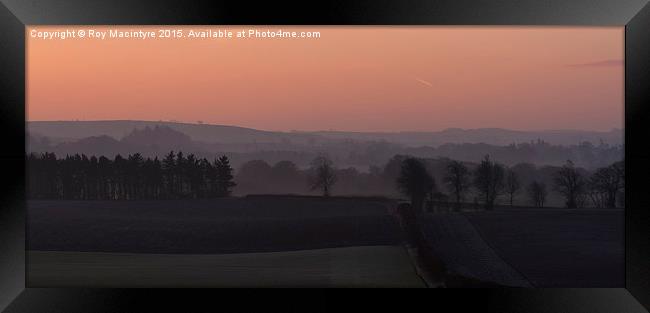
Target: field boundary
429, 266
496, 252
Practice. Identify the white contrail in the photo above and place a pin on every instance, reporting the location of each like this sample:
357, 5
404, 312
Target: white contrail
424, 82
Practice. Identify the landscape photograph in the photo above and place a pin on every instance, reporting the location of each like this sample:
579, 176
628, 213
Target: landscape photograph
414, 157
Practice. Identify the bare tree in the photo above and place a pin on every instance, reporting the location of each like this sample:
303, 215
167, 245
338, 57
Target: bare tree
570, 183
433, 195
415, 182
457, 181
489, 181
324, 175
512, 185
620, 167
605, 184
595, 195
537, 193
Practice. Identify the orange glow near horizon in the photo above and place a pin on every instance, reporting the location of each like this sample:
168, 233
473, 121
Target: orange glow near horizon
352, 78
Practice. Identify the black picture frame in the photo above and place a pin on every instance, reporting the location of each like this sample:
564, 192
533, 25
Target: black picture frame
16, 14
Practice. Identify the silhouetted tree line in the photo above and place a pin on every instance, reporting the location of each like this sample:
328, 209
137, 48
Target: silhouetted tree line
79, 177
491, 180
177, 176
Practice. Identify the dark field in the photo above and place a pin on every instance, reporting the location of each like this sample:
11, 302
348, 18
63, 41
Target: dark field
367, 266
533, 247
235, 225
238, 242
303, 241
557, 247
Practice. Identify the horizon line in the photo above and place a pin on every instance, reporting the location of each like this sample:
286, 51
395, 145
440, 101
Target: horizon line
339, 131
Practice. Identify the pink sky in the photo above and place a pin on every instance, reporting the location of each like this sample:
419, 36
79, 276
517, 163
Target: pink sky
352, 78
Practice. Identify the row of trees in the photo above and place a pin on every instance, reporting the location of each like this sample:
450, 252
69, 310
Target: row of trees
178, 176
491, 180
79, 177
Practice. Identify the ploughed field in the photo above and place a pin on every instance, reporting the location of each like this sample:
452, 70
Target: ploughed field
257, 241
236, 225
312, 241
533, 247
559, 247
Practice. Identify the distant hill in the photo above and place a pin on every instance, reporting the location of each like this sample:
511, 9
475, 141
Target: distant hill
492, 136
158, 136
149, 141
197, 132
347, 149
93, 145
59, 131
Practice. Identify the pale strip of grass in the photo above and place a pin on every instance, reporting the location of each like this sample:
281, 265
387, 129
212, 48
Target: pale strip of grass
366, 266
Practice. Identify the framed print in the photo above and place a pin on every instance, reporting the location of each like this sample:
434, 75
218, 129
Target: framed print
494, 150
